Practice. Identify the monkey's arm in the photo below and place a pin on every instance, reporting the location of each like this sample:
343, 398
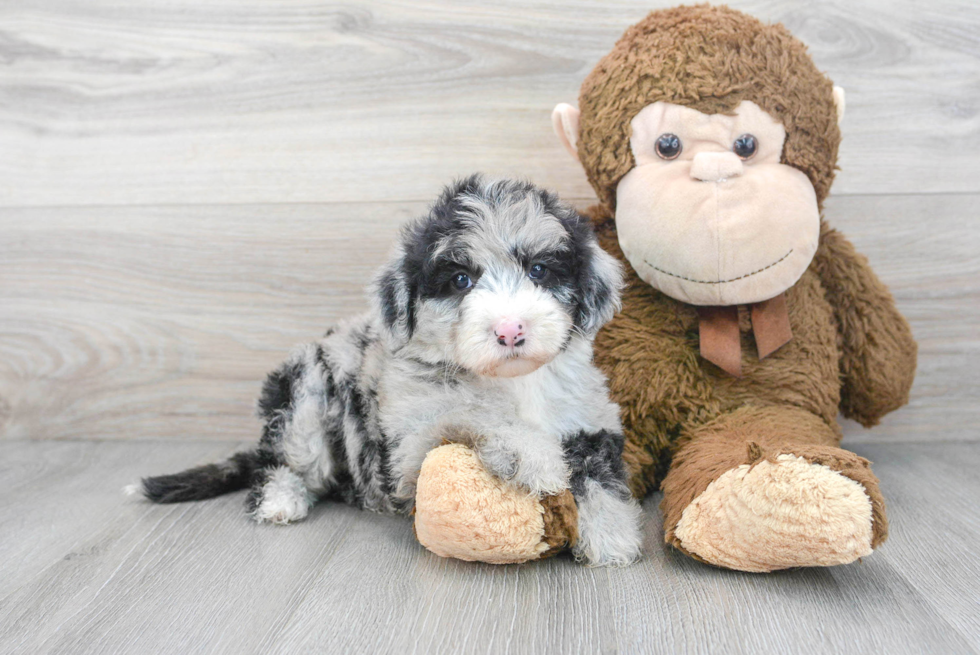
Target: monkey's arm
878, 353
654, 375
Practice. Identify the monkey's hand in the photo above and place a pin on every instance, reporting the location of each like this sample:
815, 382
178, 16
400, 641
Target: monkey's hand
878, 353
464, 511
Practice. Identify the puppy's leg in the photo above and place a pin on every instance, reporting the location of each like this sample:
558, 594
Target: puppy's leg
280, 496
294, 406
535, 462
608, 515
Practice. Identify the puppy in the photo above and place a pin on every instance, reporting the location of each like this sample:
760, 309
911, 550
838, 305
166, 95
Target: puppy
482, 325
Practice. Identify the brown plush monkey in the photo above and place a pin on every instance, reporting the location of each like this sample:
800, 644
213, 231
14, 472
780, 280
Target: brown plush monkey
748, 324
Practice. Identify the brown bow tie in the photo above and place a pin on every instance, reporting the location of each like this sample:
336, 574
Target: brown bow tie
720, 339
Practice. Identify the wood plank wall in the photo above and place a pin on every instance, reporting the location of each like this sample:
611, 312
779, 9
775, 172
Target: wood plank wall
187, 189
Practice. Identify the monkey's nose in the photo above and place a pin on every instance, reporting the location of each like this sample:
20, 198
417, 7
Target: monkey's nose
714, 166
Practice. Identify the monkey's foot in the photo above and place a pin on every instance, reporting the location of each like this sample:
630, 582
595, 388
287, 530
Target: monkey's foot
463, 511
782, 512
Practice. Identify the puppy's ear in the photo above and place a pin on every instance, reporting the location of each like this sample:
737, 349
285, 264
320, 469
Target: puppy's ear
392, 299
600, 281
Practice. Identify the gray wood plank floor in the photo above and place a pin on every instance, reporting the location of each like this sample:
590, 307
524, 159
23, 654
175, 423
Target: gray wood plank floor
189, 188
88, 570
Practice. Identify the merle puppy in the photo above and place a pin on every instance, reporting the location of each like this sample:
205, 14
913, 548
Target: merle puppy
482, 324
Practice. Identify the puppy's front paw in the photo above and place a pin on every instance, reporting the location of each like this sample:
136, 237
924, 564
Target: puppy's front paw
544, 476
540, 469
500, 460
609, 527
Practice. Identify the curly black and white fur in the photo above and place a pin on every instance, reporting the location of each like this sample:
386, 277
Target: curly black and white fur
481, 329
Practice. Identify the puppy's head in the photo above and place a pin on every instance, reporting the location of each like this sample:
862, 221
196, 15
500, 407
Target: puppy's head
497, 278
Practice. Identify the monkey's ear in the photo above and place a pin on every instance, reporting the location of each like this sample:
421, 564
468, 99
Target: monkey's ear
564, 120
839, 102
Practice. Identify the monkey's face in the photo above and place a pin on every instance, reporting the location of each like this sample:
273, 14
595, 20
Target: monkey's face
709, 215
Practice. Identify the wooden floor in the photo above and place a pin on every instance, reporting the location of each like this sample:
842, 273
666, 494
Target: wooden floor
86, 571
188, 188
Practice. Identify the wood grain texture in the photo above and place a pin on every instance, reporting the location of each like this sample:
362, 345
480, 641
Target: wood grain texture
188, 189
125, 576
50, 500
926, 249
161, 322
225, 101
142, 322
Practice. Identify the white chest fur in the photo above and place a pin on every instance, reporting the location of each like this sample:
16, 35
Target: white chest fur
564, 398
567, 395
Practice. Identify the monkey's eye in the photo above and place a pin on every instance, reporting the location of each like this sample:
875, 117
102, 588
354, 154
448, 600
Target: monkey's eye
462, 281
745, 146
537, 272
668, 146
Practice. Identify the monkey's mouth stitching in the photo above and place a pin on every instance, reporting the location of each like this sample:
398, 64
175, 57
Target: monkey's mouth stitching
740, 277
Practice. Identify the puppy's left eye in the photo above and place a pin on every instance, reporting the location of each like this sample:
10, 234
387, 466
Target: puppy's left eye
462, 281
537, 272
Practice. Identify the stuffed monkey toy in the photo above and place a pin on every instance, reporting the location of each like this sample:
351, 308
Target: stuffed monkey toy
748, 323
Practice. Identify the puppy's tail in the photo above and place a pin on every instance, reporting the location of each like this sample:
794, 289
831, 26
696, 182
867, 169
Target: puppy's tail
208, 481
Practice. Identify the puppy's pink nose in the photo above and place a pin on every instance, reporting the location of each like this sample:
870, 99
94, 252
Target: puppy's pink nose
509, 332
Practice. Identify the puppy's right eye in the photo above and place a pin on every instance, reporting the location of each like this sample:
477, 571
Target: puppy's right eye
538, 272
462, 281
